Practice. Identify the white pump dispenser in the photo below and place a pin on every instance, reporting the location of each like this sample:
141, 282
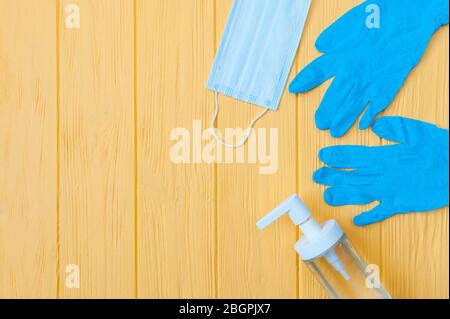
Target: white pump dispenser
318, 241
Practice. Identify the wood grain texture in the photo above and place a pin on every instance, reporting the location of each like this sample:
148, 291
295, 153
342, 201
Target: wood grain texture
252, 263
415, 247
87, 177
96, 139
176, 203
28, 242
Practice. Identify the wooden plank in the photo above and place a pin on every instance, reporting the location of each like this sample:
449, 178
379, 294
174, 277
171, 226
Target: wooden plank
176, 229
195, 235
310, 140
28, 240
254, 263
96, 142
415, 247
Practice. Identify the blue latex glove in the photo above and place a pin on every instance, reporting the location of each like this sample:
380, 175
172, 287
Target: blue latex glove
369, 65
408, 177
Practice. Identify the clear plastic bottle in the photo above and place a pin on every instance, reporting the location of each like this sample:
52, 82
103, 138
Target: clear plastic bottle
328, 253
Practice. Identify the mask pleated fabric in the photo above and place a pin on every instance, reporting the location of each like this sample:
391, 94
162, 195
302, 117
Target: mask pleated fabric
256, 53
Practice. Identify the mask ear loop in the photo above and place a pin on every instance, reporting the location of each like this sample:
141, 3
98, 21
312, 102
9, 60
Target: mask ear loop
247, 134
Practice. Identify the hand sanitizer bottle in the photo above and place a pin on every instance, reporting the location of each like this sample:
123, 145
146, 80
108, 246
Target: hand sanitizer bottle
328, 253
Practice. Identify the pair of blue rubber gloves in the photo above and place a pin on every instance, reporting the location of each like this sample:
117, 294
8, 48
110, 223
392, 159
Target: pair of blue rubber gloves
370, 52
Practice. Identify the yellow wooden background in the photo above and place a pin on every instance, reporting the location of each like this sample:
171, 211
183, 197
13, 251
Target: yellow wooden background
86, 178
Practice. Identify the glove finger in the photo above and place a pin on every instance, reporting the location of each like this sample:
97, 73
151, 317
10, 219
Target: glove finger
314, 74
336, 177
355, 156
371, 113
349, 195
403, 130
378, 214
350, 111
381, 97
343, 29
333, 99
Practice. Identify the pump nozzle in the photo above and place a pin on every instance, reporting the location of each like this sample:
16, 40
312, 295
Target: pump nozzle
319, 239
293, 206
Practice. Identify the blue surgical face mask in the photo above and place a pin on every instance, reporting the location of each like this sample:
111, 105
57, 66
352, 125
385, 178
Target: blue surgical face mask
256, 53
